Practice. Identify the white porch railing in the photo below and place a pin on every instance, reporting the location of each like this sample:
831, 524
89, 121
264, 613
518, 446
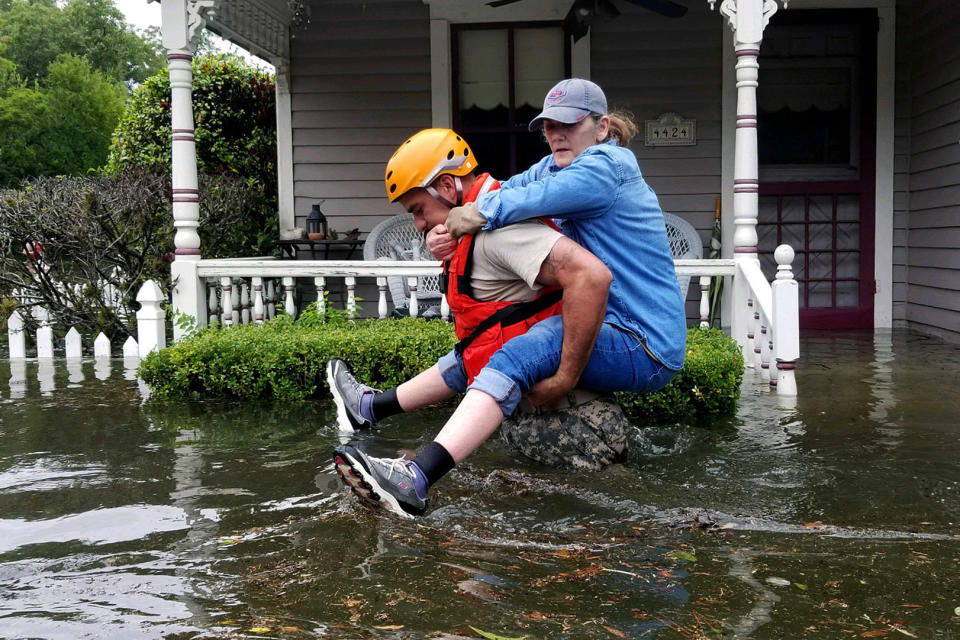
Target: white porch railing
241, 291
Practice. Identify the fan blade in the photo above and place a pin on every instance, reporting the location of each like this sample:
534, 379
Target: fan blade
500, 3
663, 7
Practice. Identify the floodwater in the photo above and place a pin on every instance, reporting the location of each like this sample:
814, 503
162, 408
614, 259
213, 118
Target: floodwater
835, 516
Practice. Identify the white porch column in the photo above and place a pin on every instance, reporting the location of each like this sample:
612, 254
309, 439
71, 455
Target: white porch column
747, 18
182, 20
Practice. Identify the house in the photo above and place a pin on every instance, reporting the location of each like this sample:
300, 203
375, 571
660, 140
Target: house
845, 146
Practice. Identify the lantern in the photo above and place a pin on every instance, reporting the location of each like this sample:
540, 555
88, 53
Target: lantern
316, 224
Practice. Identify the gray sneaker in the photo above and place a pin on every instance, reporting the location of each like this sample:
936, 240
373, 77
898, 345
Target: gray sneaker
388, 482
346, 395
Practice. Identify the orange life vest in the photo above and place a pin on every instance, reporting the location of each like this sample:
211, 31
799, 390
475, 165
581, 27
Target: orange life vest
484, 326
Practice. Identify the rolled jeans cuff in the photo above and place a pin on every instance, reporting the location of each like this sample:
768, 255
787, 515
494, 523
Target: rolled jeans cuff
452, 371
500, 387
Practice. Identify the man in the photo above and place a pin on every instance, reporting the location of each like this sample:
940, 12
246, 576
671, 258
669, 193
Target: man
515, 277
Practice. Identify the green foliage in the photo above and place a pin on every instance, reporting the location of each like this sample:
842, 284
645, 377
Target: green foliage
708, 384
34, 33
285, 360
7, 307
235, 110
61, 126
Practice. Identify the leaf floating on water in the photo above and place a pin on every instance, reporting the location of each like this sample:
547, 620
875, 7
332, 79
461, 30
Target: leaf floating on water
388, 627
802, 587
683, 555
493, 636
259, 629
916, 606
876, 633
616, 632
290, 629
813, 525
778, 582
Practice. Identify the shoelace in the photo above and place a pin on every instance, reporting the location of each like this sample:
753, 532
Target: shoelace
396, 466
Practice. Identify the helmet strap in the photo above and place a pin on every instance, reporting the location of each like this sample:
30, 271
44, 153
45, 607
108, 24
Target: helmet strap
436, 194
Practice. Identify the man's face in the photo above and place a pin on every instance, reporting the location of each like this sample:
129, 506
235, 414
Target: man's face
427, 211
568, 140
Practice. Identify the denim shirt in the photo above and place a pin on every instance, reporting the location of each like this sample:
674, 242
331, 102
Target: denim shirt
603, 203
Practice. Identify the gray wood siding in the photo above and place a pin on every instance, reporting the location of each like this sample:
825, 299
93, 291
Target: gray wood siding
360, 84
931, 235
901, 167
648, 64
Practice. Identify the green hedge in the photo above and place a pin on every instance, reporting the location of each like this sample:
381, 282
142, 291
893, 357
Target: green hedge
285, 359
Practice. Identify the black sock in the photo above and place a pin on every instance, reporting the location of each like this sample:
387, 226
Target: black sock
435, 461
385, 405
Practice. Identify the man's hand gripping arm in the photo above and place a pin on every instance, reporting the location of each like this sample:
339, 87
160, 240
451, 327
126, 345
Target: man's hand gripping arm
586, 283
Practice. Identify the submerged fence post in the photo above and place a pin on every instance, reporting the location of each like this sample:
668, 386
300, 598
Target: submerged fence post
18, 347
73, 345
101, 347
130, 348
44, 334
786, 322
150, 318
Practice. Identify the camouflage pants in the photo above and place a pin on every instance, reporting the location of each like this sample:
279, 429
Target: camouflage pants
588, 432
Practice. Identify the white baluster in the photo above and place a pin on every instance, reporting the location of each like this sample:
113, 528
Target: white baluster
412, 285
704, 302
786, 321
15, 336
382, 297
73, 345
226, 301
320, 285
101, 346
213, 305
351, 296
748, 344
245, 302
289, 306
150, 319
764, 350
757, 337
44, 334
235, 301
271, 300
258, 300
444, 308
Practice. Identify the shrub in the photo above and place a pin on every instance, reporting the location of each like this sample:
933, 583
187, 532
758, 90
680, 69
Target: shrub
285, 359
115, 231
708, 384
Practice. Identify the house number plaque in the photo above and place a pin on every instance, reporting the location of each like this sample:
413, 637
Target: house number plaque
670, 130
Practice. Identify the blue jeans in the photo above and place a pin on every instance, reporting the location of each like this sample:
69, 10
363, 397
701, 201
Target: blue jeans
618, 363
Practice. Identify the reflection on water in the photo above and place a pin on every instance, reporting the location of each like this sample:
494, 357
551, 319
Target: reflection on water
833, 515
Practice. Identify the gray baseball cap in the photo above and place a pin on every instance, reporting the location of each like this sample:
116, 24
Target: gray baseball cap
570, 101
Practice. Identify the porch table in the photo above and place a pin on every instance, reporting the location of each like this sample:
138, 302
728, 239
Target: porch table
318, 249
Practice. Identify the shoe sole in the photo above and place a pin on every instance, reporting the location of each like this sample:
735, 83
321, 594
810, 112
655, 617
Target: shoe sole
363, 485
344, 423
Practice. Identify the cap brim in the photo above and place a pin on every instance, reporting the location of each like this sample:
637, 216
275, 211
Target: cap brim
566, 115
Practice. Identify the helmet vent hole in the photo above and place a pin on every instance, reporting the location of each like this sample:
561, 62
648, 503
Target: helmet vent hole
389, 174
450, 154
393, 188
466, 151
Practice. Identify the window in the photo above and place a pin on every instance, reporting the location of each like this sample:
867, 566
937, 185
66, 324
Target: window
501, 74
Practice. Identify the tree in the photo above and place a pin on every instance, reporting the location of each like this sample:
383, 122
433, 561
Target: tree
34, 33
61, 126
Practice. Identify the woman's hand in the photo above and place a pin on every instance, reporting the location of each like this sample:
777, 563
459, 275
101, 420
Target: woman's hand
440, 243
465, 220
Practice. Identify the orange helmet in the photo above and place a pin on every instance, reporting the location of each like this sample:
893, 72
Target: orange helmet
424, 156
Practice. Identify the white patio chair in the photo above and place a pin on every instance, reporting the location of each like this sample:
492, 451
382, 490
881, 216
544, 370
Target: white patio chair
684, 243
397, 238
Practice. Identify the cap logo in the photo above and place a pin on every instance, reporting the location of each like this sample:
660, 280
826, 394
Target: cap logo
556, 96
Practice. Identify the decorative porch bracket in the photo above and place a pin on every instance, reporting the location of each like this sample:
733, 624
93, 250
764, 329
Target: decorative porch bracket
747, 19
181, 22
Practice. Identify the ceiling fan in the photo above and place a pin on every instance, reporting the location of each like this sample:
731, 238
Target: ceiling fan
583, 12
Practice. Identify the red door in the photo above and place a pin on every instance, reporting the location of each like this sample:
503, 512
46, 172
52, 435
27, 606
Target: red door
817, 130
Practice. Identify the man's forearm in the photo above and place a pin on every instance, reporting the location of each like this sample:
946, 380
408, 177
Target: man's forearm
584, 307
